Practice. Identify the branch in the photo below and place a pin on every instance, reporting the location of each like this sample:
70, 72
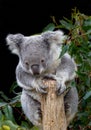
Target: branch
52, 106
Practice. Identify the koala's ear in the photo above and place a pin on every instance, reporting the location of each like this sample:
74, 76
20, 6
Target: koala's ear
57, 37
14, 42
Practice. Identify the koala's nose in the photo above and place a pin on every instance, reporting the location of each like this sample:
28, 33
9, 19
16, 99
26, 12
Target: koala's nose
35, 69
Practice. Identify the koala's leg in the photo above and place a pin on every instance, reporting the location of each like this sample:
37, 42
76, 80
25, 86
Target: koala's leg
71, 104
65, 72
31, 109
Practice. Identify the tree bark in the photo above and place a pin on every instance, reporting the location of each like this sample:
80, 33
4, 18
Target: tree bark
52, 106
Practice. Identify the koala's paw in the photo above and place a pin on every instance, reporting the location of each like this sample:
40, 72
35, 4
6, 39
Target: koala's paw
41, 88
67, 108
60, 84
38, 117
60, 88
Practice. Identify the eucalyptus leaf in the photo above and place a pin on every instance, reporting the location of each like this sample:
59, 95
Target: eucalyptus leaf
64, 50
87, 95
49, 27
9, 113
66, 24
9, 124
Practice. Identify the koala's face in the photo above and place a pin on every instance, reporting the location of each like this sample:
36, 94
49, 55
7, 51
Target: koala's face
36, 53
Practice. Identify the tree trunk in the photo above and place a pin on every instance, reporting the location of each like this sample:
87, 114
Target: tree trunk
52, 106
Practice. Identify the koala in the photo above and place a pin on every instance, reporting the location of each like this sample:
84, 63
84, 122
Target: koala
39, 59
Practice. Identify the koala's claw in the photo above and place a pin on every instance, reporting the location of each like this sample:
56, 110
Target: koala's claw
41, 89
39, 113
61, 89
67, 108
38, 116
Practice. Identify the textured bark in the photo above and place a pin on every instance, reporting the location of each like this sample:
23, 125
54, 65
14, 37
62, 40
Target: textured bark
53, 109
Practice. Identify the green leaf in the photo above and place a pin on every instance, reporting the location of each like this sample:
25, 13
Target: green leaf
49, 27
88, 81
9, 113
3, 96
66, 25
25, 124
87, 22
35, 128
13, 87
3, 104
64, 50
1, 115
87, 95
10, 124
16, 99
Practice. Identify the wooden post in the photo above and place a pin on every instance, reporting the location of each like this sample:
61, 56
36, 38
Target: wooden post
53, 115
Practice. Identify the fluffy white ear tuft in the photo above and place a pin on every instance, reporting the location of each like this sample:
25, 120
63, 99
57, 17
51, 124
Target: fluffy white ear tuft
14, 41
57, 37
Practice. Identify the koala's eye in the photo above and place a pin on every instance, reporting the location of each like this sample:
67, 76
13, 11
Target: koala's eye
42, 61
26, 63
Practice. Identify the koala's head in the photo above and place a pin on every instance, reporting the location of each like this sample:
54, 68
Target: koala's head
36, 53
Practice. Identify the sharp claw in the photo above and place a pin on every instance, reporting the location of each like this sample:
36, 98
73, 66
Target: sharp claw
38, 116
67, 108
40, 113
61, 90
42, 90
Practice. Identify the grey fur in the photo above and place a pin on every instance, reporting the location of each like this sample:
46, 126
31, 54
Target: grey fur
39, 58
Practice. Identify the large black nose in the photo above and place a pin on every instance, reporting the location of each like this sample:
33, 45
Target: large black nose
35, 69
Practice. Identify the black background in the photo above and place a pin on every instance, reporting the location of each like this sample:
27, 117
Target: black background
22, 16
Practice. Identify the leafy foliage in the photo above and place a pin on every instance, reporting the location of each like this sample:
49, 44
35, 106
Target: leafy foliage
78, 44
10, 109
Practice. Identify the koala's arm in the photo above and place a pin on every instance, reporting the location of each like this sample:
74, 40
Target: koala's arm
67, 68
66, 71
28, 81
